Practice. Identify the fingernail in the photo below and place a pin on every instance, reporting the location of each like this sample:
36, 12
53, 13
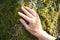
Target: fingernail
19, 12
22, 7
20, 19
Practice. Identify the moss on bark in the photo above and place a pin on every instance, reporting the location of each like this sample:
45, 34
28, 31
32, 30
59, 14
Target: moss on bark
12, 29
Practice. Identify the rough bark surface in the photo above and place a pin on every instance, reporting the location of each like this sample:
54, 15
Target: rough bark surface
12, 29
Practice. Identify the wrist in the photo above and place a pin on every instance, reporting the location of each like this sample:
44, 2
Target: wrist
45, 36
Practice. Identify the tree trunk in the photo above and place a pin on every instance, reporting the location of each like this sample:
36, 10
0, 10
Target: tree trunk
12, 29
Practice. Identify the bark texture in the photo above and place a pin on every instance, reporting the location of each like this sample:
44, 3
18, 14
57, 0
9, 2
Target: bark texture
12, 29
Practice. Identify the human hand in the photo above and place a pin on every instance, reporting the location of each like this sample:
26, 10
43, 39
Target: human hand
34, 26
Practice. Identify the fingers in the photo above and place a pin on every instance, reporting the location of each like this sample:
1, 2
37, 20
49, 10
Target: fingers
24, 23
31, 11
26, 12
24, 16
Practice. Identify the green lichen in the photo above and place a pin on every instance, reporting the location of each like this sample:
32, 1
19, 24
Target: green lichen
12, 29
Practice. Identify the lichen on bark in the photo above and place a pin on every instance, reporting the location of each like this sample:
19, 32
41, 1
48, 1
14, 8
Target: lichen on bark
12, 29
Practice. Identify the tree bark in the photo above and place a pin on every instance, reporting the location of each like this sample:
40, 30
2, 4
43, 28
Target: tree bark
12, 29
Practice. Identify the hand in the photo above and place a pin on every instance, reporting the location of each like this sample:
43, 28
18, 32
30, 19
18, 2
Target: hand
34, 26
